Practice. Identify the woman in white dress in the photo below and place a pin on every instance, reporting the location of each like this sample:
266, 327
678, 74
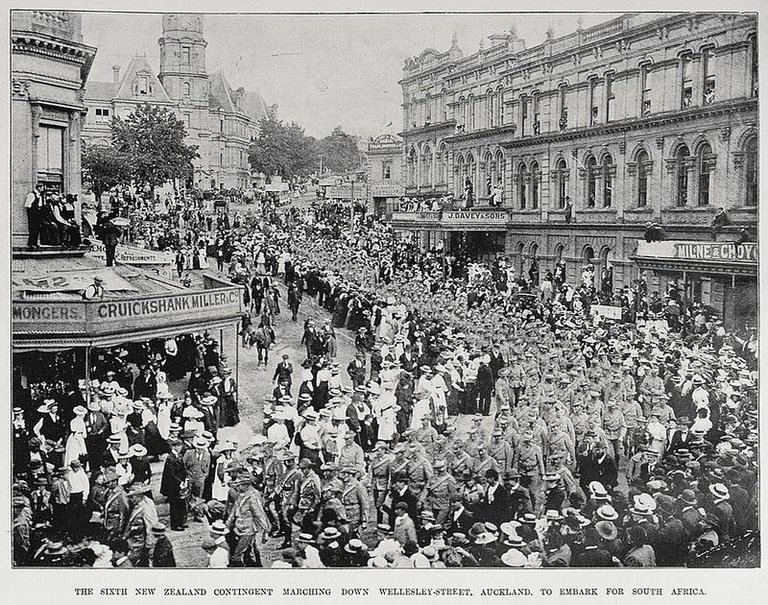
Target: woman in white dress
202, 255
220, 489
164, 416
162, 384
75, 446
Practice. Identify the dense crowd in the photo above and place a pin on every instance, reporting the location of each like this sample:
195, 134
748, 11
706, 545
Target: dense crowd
590, 442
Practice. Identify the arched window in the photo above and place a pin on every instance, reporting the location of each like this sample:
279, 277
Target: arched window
607, 181
426, 172
490, 173
703, 167
471, 112
751, 177
463, 112
187, 89
461, 171
521, 176
500, 93
535, 175
412, 167
520, 259
562, 183
472, 173
591, 166
559, 253
642, 178
681, 175
501, 167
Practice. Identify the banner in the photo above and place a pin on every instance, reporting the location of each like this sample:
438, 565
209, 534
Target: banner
70, 282
606, 311
159, 263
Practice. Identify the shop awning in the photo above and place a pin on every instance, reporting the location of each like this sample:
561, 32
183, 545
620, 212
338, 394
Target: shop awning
719, 258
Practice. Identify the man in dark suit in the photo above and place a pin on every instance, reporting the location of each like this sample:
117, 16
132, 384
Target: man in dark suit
173, 484
519, 496
402, 493
497, 361
496, 499
197, 462
97, 431
283, 371
460, 520
598, 466
592, 554
485, 383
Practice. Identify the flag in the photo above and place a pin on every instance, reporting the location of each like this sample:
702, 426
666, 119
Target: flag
388, 125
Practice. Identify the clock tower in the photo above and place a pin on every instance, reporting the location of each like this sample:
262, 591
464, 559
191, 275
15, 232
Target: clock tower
182, 60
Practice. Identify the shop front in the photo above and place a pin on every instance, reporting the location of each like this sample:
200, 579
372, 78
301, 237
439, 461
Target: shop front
720, 275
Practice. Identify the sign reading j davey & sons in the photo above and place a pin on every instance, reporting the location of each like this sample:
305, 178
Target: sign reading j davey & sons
473, 216
107, 316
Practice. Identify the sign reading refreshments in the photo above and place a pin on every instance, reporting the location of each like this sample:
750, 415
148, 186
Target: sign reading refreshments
699, 251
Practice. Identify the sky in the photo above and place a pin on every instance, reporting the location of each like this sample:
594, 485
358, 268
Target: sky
323, 70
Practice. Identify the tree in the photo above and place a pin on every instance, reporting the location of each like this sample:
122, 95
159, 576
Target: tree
153, 140
340, 152
104, 167
282, 149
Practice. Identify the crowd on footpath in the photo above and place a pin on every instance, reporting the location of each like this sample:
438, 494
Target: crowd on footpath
593, 442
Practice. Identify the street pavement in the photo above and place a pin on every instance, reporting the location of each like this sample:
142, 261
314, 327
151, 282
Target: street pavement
254, 385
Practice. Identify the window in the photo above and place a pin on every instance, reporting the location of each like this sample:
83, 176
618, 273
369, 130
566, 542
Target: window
704, 167
681, 175
536, 114
523, 115
750, 171
591, 181
521, 176
645, 90
491, 110
562, 183
709, 75
186, 89
535, 175
443, 164
563, 122
386, 170
687, 89
412, 167
143, 86
185, 55
607, 181
642, 179
754, 69
471, 108
50, 150
462, 112
609, 96
594, 110
501, 107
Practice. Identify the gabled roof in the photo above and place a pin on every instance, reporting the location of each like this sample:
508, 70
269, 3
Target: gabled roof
254, 105
220, 96
100, 91
139, 64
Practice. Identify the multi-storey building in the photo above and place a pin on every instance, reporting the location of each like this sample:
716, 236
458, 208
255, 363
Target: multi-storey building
220, 120
646, 117
384, 173
49, 68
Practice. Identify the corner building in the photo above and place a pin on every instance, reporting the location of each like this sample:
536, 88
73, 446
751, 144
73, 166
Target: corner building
646, 117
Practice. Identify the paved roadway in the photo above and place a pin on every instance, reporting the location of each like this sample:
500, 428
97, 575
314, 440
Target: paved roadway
254, 385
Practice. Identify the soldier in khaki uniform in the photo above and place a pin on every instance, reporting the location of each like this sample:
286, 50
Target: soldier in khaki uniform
483, 462
289, 497
381, 474
354, 500
439, 493
426, 435
615, 428
530, 465
309, 492
501, 451
459, 460
274, 471
419, 470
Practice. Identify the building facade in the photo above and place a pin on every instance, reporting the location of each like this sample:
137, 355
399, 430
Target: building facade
49, 69
385, 174
220, 120
646, 117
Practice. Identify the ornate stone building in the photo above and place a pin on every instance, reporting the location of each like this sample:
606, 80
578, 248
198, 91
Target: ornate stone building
220, 120
49, 68
384, 173
646, 117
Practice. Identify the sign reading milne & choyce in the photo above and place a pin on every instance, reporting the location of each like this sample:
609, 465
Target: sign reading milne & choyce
723, 252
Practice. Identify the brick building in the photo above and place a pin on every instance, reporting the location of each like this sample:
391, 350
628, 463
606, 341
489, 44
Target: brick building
646, 117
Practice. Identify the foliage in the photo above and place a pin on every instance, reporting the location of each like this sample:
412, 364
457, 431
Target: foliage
152, 139
340, 151
104, 167
282, 149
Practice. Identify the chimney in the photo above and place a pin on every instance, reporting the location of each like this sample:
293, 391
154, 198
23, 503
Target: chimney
116, 76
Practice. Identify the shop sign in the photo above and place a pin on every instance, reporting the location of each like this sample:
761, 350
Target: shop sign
70, 282
474, 216
606, 311
33, 317
383, 190
699, 251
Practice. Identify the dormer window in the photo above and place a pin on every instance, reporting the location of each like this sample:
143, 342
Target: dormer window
143, 85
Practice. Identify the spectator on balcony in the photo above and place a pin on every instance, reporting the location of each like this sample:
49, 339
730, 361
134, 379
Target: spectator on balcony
720, 220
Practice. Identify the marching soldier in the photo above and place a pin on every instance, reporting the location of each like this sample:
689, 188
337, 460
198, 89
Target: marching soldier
419, 470
530, 465
354, 500
483, 462
426, 435
246, 522
439, 493
289, 497
309, 492
381, 472
501, 451
459, 460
